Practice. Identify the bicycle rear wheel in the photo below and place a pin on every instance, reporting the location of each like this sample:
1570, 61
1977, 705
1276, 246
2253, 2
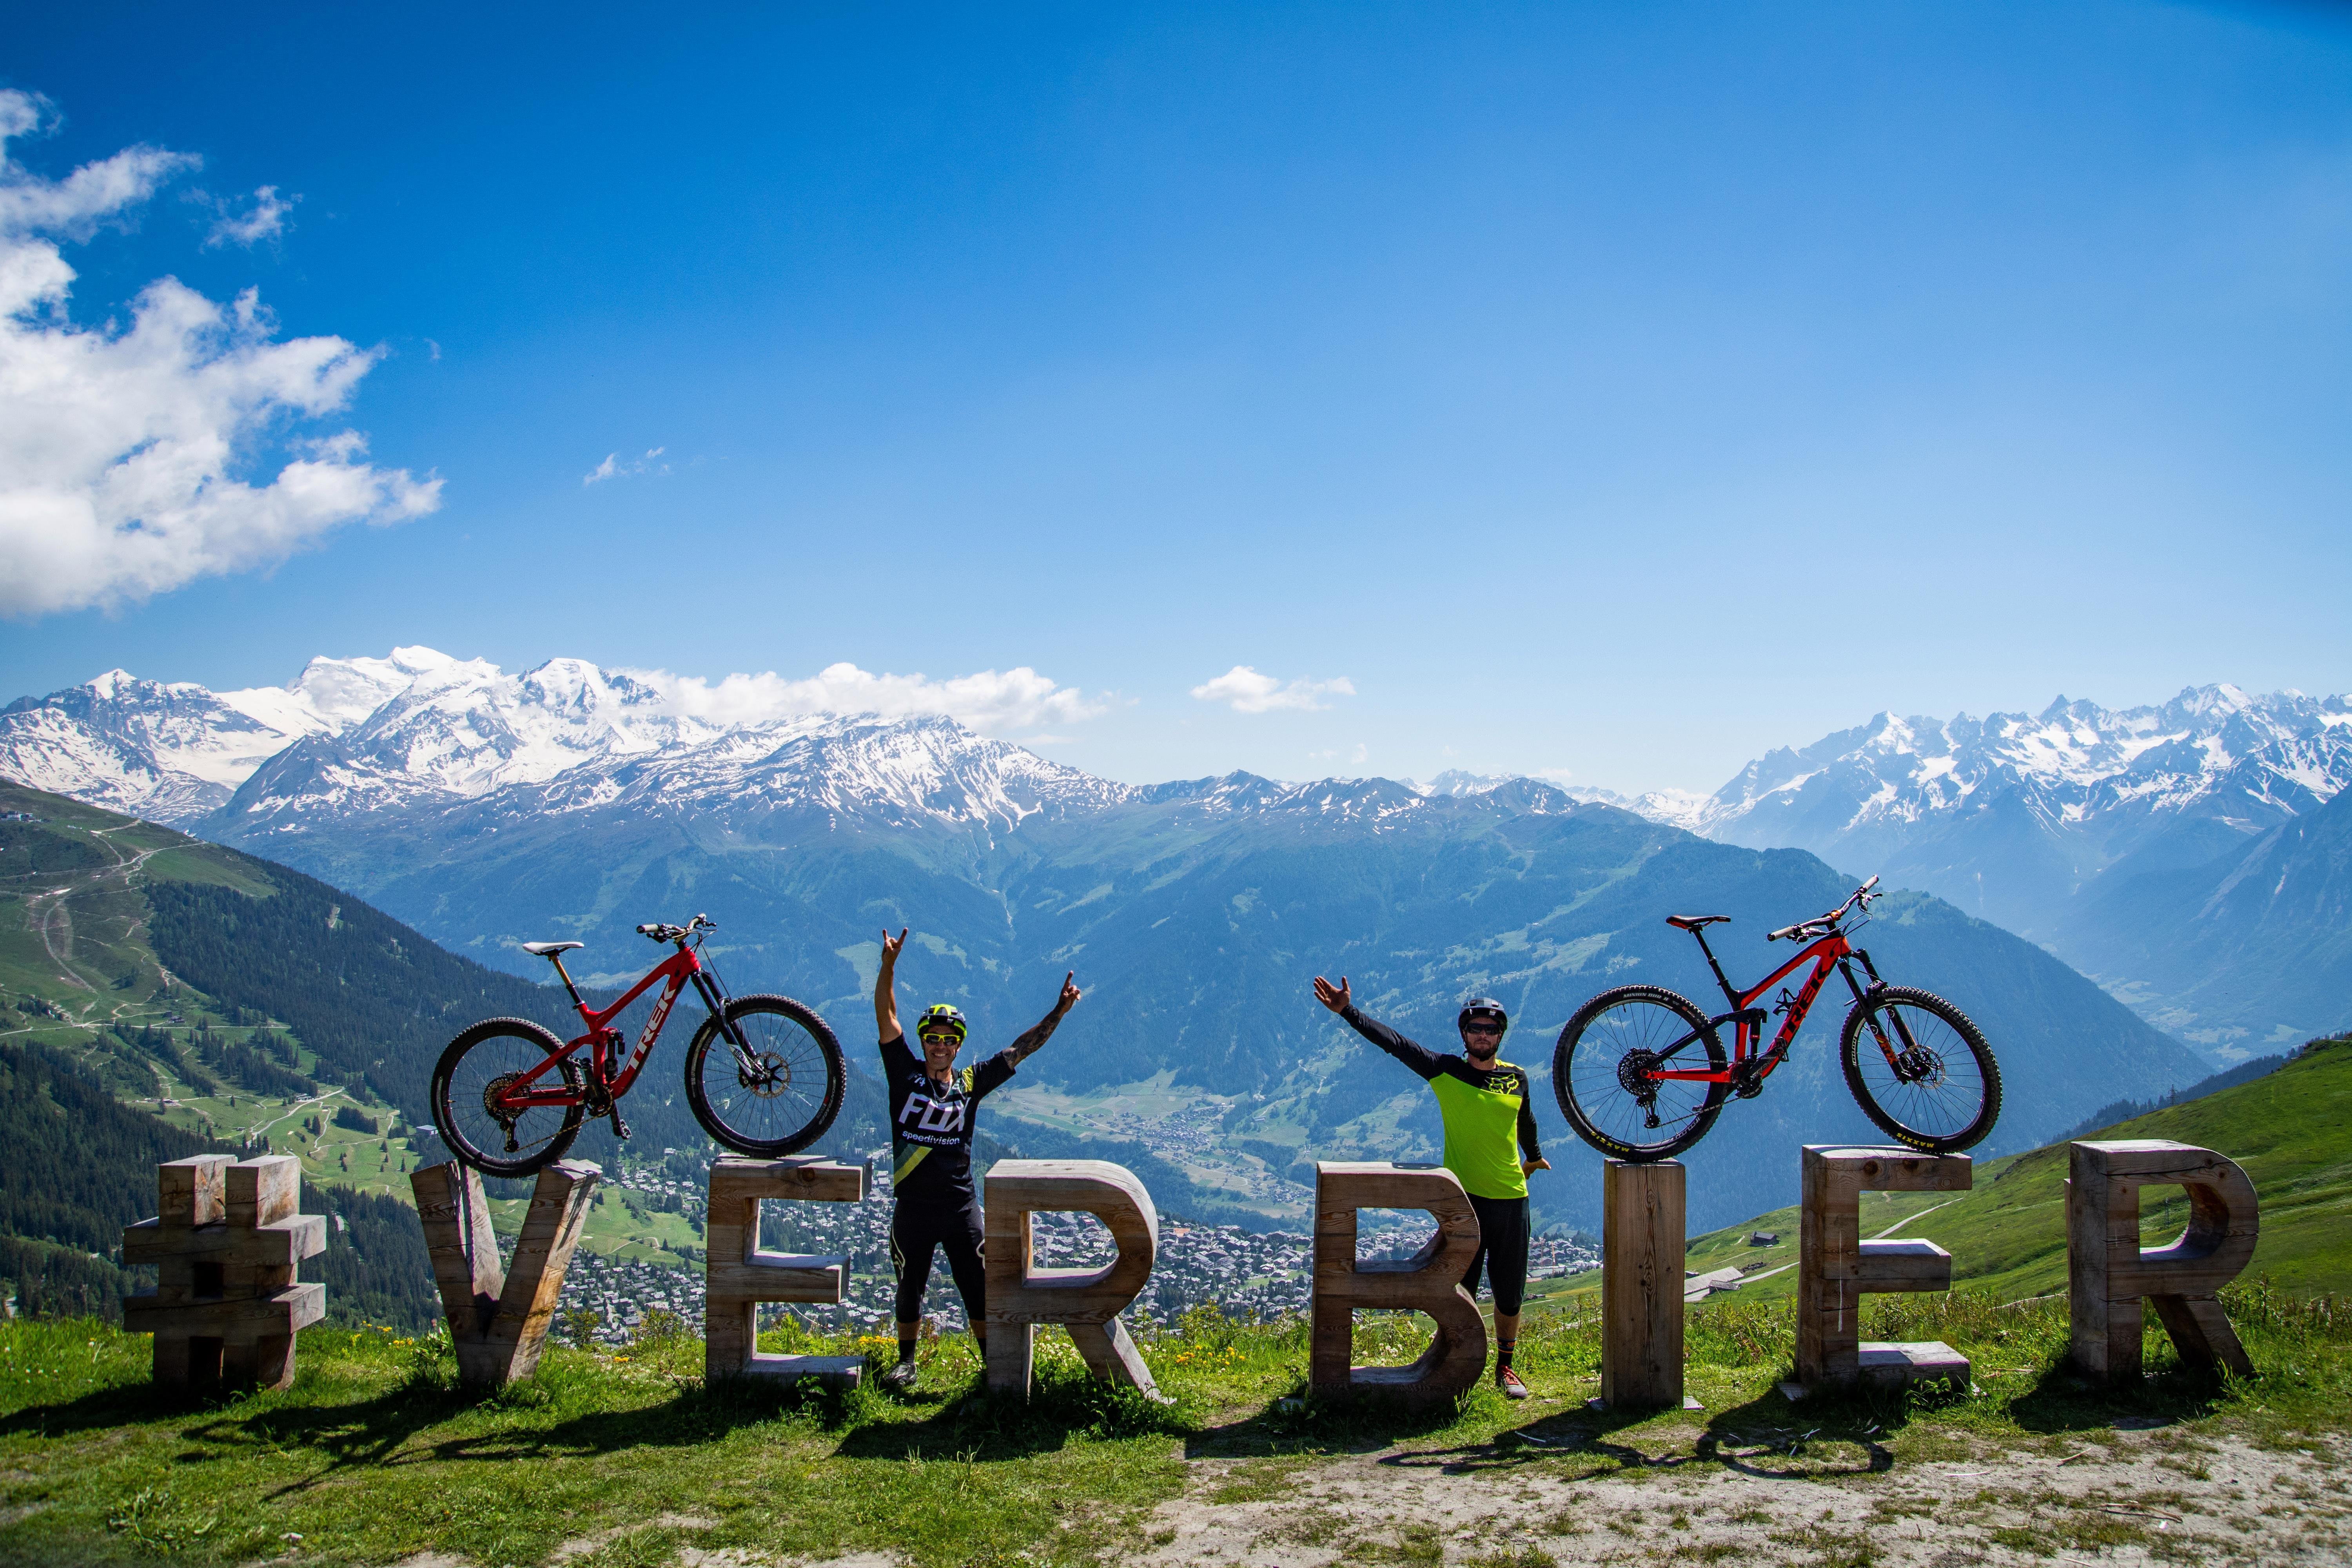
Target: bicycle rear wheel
1920, 1070
781, 1098
1598, 1071
493, 1140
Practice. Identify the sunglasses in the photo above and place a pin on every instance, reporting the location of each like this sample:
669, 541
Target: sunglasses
1481, 1026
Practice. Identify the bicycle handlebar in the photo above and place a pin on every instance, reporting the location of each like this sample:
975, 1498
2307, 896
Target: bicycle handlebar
662, 933
1823, 924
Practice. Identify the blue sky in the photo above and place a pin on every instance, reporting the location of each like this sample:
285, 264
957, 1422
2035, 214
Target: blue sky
1617, 390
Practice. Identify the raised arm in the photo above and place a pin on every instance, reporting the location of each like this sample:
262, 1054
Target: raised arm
1042, 1030
886, 988
1340, 999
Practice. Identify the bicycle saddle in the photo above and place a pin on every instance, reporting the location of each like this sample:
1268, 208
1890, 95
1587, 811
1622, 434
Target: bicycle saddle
549, 949
1692, 923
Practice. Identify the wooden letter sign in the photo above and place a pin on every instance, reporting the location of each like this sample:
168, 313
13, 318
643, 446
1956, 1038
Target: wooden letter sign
1836, 1268
2107, 1271
1085, 1301
1430, 1281
499, 1316
738, 1275
1642, 1283
225, 1246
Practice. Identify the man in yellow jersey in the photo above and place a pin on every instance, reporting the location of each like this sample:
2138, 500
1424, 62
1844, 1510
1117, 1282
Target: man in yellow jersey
1487, 1108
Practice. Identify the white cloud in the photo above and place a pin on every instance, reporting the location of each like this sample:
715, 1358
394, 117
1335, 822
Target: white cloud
1247, 691
612, 468
121, 447
264, 220
989, 701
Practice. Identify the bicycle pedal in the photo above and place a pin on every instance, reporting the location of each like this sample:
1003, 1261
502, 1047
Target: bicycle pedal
620, 1127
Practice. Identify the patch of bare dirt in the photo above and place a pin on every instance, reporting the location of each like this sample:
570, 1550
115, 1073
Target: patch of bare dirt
2121, 1498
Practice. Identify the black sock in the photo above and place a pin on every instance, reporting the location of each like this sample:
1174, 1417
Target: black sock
906, 1347
1503, 1357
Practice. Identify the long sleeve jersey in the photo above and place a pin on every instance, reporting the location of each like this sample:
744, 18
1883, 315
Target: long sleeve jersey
1485, 1109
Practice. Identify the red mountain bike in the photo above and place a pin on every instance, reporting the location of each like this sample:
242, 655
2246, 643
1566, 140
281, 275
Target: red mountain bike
763, 1073
1629, 1080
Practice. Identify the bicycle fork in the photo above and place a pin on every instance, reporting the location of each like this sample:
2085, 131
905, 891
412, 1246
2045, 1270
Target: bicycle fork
1896, 1060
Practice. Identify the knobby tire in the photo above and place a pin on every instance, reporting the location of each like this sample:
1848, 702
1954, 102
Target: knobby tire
1942, 1117
499, 1046
1604, 1028
776, 1115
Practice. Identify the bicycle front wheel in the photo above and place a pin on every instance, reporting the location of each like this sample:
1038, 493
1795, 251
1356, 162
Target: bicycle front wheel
777, 1092
469, 1108
1600, 1071
1920, 1070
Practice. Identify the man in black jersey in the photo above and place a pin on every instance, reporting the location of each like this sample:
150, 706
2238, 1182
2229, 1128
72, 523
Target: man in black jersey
1487, 1108
932, 1109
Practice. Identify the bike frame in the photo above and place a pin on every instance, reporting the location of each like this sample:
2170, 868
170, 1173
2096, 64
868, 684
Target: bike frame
1749, 1064
603, 1041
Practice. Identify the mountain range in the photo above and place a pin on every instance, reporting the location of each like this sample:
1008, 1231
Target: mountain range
2190, 855
485, 809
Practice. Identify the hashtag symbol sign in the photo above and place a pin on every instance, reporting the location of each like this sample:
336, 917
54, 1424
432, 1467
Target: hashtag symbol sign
225, 1245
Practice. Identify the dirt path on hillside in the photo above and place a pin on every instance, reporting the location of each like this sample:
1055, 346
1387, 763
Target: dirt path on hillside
2110, 1498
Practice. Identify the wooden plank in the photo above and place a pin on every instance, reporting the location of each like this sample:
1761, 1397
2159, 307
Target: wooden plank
458, 1238
499, 1313
1836, 1268
1431, 1282
738, 1275
225, 1245
1642, 1224
1088, 1302
2110, 1277
1893, 1266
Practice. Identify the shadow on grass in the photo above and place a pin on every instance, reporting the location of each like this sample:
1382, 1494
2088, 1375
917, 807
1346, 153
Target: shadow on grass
123, 1405
2062, 1402
1299, 1422
384, 1428
974, 1426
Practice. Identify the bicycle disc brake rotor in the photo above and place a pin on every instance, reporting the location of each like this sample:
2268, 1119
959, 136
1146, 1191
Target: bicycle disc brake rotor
768, 1076
1918, 1065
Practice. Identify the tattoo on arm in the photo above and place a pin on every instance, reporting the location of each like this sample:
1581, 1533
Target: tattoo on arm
1039, 1033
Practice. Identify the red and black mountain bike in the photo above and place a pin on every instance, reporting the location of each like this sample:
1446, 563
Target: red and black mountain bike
763, 1073
1642, 1075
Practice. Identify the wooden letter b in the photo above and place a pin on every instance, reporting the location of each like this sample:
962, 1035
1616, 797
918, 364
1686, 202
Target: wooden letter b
1430, 1281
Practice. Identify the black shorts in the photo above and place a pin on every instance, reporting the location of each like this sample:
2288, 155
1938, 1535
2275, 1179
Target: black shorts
916, 1229
1502, 1251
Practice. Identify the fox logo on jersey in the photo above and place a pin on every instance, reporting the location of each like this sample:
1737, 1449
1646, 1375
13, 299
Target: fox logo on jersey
935, 1117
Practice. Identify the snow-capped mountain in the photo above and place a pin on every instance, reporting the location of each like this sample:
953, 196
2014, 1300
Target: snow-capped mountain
174, 751
471, 769
2013, 814
2061, 825
1675, 807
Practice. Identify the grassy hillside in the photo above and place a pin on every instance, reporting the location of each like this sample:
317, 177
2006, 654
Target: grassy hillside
630, 1459
2008, 1236
160, 996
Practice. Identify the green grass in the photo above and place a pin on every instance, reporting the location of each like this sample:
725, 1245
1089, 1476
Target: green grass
375, 1455
2008, 1236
